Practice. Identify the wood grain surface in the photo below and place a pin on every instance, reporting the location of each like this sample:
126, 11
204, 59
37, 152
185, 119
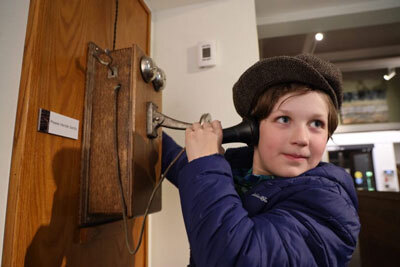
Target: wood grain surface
139, 161
42, 209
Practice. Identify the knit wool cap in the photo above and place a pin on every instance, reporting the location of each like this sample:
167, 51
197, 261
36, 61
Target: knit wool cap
304, 68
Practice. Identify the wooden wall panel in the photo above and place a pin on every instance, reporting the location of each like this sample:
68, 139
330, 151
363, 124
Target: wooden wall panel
42, 209
137, 17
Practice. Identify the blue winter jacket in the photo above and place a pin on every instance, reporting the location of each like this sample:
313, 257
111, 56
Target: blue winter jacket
309, 220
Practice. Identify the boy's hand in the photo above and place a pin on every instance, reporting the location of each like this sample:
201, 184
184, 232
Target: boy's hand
203, 140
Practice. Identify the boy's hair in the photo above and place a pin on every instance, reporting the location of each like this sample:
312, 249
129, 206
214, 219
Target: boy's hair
268, 99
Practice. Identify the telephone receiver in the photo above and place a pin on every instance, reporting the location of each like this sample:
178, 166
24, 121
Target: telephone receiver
244, 132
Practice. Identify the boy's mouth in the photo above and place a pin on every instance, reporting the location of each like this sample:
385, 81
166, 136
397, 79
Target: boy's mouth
295, 156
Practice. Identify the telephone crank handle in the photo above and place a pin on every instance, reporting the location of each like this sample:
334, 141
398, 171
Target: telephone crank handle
156, 119
168, 122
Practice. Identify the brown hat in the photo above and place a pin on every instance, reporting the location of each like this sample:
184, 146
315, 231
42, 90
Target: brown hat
304, 68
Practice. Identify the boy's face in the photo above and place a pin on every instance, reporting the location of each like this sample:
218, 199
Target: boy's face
293, 137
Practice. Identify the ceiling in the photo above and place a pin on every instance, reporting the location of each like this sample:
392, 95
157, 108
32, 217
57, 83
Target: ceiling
278, 11
359, 35
288, 17
354, 29
367, 42
275, 11
273, 7
159, 5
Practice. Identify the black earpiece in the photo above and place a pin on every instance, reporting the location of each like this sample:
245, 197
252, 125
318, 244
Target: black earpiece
245, 132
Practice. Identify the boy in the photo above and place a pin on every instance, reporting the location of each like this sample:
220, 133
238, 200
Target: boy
275, 204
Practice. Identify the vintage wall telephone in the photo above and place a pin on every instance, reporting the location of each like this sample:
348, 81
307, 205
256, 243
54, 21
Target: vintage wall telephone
121, 163
244, 132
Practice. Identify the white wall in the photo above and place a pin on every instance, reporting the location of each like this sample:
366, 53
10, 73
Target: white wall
13, 20
192, 91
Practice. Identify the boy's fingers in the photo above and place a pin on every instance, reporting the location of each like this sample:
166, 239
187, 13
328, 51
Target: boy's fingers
207, 126
196, 126
216, 124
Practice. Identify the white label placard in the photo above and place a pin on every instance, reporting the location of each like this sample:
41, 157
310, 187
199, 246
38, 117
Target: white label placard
54, 123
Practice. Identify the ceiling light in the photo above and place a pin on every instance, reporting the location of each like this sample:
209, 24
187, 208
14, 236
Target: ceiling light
319, 36
390, 75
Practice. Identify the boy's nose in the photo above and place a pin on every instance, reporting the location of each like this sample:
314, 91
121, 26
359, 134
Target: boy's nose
300, 136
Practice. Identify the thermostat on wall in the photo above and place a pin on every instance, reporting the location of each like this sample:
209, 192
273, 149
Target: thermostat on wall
207, 52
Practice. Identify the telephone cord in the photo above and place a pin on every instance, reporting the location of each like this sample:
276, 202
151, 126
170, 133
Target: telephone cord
115, 23
123, 203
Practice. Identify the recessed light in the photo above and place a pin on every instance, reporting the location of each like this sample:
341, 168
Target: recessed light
319, 36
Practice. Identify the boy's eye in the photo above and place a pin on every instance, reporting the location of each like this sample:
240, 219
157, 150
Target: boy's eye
283, 119
317, 124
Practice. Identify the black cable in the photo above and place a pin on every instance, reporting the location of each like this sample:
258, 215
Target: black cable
115, 23
123, 203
